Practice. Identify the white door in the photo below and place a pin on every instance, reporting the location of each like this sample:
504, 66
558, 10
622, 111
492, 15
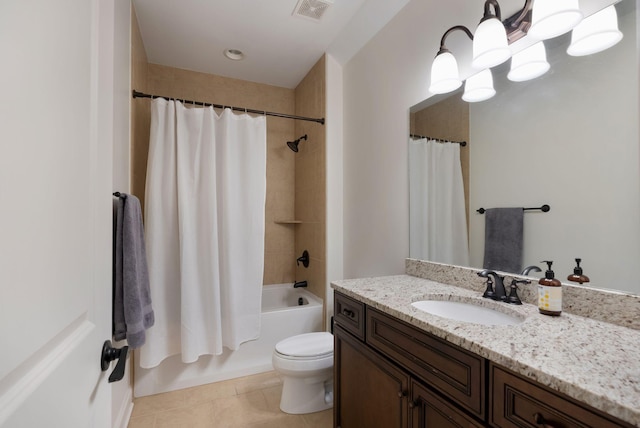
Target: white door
56, 108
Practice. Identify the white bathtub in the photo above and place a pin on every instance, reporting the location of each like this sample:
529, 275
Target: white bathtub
282, 317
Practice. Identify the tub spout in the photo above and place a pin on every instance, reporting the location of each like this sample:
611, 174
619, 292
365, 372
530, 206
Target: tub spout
300, 284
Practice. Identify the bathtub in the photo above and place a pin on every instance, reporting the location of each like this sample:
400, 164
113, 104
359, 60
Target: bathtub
286, 311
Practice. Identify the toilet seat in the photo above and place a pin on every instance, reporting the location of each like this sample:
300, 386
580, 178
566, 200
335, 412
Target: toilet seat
306, 346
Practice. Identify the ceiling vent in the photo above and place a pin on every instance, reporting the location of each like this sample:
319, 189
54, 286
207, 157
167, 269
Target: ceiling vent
311, 9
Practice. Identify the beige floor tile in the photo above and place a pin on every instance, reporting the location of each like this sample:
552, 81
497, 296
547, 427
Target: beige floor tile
257, 382
243, 410
142, 421
209, 392
322, 419
157, 403
248, 402
283, 421
273, 395
198, 416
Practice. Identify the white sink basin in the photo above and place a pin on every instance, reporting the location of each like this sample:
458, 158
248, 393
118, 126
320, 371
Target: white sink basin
466, 312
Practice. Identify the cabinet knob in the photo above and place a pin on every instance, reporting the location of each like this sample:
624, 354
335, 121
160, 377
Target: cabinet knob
413, 404
402, 394
540, 421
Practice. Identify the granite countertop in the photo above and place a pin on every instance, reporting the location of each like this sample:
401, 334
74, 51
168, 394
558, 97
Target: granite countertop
592, 361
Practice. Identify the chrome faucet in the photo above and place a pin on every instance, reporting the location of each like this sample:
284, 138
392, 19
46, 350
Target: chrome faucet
498, 292
525, 271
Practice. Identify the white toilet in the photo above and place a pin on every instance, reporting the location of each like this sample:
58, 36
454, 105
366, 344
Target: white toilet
306, 364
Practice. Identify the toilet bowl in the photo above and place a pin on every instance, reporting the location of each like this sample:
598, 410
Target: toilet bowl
305, 362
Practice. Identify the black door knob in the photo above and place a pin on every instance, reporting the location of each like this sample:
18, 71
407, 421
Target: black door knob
109, 353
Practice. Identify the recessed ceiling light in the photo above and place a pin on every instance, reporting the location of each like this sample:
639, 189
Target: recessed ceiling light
234, 54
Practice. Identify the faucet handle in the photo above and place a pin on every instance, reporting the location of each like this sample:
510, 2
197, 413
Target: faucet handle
513, 295
489, 293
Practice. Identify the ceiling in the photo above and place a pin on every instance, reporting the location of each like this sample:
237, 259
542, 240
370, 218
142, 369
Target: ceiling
279, 48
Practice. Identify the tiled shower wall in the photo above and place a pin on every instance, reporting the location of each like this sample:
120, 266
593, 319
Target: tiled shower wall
281, 249
310, 203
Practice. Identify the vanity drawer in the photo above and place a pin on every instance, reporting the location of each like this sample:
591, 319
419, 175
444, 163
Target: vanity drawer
349, 313
454, 372
521, 403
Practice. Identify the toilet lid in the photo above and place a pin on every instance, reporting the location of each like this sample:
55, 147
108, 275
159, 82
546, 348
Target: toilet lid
306, 345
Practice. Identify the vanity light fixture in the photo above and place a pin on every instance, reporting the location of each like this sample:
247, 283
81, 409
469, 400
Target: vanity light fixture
551, 18
539, 19
479, 87
595, 33
490, 45
444, 69
529, 63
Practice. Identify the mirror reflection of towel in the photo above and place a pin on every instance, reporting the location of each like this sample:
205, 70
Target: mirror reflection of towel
503, 239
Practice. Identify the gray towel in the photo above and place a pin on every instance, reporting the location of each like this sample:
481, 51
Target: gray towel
132, 311
503, 239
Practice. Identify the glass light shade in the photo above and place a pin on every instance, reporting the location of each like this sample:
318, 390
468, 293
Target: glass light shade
444, 74
479, 87
490, 45
550, 18
529, 63
595, 33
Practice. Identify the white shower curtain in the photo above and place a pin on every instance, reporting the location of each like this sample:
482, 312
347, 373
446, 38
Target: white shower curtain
204, 226
437, 209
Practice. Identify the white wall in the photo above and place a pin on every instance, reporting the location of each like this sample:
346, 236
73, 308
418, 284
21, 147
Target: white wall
381, 82
335, 181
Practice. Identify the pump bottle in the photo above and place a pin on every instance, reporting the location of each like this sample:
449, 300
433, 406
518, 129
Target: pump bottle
578, 276
549, 293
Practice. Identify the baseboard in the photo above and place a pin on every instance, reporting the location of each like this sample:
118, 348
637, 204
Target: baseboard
126, 408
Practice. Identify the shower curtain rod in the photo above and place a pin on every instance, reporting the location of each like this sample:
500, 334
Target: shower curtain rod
440, 140
137, 94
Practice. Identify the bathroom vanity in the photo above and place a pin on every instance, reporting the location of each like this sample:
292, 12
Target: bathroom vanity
397, 366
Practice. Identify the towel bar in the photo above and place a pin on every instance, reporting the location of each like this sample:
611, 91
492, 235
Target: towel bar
545, 208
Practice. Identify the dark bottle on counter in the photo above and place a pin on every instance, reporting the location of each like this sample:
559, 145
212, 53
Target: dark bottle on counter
549, 293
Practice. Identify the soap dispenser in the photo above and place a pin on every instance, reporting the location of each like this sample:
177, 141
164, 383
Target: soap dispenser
577, 274
549, 293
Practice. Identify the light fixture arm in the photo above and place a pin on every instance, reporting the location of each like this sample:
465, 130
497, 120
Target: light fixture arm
515, 21
443, 48
487, 11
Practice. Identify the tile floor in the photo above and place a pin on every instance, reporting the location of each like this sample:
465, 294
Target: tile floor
247, 402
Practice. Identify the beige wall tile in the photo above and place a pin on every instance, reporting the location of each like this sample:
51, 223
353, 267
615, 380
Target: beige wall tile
310, 193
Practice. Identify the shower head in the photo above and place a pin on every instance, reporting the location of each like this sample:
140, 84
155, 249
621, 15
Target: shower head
293, 145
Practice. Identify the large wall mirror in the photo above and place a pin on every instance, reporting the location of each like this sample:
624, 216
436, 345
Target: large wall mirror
569, 139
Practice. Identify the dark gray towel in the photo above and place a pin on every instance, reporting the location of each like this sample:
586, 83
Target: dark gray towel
503, 239
132, 311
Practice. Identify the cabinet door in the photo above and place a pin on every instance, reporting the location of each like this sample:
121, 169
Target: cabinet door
430, 411
369, 391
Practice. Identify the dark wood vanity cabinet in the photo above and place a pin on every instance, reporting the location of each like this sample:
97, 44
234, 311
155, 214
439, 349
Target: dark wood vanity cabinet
382, 367
389, 374
520, 403
372, 392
